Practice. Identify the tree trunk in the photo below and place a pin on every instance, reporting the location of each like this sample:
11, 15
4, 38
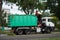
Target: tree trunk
0, 5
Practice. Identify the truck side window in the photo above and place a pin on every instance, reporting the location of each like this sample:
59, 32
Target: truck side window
49, 20
43, 19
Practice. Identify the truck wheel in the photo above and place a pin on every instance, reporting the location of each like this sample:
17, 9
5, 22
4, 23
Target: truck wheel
20, 32
48, 31
43, 31
27, 31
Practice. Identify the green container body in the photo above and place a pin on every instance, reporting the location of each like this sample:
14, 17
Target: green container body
22, 20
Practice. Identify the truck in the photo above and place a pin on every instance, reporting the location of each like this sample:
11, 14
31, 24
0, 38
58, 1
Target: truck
25, 24
48, 23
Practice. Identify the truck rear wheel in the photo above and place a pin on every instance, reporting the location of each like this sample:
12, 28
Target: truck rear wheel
27, 31
48, 30
20, 32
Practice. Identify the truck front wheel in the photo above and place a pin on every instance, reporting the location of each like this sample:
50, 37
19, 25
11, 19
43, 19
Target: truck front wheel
43, 31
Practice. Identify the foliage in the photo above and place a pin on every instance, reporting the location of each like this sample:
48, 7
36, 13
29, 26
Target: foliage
9, 33
14, 1
55, 20
2, 20
45, 14
57, 12
54, 8
28, 6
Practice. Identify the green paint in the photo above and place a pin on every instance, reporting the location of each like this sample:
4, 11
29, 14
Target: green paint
22, 20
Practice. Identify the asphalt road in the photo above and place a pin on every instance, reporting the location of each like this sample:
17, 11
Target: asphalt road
31, 36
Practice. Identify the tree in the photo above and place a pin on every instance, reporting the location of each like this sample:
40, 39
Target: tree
28, 6
2, 15
0, 5
54, 6
2, 20
58, 10
0, 12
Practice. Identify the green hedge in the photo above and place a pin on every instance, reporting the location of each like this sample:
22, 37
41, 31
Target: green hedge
57, 26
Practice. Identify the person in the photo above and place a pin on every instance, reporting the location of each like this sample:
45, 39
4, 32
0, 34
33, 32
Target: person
39, 18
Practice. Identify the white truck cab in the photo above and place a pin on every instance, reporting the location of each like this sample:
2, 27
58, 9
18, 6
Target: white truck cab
48, 21
49, 25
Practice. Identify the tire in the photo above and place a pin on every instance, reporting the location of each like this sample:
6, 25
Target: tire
43, 31
27, 31
20, 32
48, 30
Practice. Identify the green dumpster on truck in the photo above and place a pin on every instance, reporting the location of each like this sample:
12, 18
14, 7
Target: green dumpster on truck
22, 23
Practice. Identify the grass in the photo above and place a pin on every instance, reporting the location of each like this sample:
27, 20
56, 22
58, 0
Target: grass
57, 38
9, 33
